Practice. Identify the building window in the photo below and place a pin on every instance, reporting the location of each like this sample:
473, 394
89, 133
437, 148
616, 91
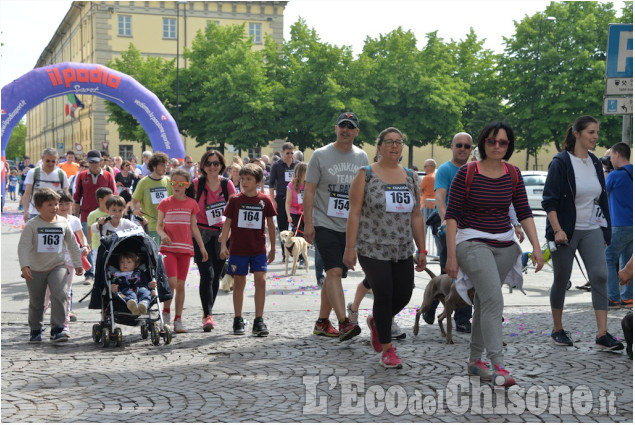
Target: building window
255, 152
169, 28
125, 25
255, 31
125, 152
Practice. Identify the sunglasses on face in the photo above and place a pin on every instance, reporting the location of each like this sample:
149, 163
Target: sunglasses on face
389, 142
346, 124
49, 161
463, 146
180, 184
502, 143
214, 163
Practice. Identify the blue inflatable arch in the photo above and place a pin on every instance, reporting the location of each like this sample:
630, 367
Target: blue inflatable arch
66, 78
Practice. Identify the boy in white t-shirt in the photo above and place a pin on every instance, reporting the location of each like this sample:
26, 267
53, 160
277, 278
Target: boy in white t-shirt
114, 221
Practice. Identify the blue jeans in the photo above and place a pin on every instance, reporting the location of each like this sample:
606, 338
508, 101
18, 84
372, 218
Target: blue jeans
89, 273
617, 255
142, 294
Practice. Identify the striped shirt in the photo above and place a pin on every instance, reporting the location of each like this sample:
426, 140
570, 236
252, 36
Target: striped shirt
487, 208
177, 224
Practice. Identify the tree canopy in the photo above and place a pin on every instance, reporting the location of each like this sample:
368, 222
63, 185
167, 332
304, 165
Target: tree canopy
551, 71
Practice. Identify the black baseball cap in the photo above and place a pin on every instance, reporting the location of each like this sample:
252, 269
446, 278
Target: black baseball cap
348, 116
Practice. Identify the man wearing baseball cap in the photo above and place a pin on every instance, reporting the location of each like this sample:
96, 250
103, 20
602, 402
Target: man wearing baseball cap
330, 172
86, 184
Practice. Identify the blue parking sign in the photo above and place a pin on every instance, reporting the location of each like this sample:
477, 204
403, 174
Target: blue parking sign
611, 105
619, 51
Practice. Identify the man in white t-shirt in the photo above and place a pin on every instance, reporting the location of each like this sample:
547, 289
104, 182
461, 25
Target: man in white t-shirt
48, 175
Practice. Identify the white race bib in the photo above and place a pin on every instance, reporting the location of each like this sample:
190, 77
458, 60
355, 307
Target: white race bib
250, 216
338, 205
300, 197
398, 198
49, 239
597, 217
158, 194
288, 176
214, 213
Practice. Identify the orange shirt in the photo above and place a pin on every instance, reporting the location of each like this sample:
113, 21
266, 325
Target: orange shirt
427, 190
70, 168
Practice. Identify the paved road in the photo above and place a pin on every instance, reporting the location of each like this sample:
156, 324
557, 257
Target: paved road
293, 375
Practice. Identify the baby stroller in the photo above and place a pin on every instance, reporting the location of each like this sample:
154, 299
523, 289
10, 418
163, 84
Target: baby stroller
114, 309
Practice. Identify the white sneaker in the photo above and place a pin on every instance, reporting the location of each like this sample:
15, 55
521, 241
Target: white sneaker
352, 315
143, 307
166, 317
66, 332
396, 332
132, 306
178, 327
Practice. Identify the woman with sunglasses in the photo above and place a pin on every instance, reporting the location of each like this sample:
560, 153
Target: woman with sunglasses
384, 218
482, 252
577, 208
176, 221
212, 194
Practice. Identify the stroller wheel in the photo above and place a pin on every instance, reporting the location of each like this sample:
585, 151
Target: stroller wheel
154, 334
144, 331
96, 333
167, 336
105, 338
118, 337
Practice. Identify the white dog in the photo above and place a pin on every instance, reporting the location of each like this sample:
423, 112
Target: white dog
294, 247
227, 280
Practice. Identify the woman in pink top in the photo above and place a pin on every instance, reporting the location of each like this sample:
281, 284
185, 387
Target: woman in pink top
295, 196
212, 195
176, 224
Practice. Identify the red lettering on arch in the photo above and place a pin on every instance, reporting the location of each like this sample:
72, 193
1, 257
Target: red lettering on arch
82, 75
113, 81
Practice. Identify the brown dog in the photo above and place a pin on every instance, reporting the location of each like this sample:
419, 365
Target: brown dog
443, 289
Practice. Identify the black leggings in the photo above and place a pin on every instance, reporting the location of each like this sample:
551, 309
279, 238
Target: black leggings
210, 272
392, 284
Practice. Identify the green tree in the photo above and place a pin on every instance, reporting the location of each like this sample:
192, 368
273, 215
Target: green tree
15, 147
226, 97
154, 73
477, 67
311, 86
410, 89
569, 81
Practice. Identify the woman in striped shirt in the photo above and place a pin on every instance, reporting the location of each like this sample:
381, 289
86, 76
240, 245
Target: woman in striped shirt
482, 252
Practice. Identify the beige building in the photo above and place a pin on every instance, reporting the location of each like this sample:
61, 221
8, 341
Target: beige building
98, 31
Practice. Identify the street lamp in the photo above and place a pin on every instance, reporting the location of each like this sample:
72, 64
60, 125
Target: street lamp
178, 42
533, 87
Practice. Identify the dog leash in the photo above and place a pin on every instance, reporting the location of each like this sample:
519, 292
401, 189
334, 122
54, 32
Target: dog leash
297, 228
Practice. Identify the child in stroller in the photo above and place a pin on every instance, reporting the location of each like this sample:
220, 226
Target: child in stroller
114, 309
128, 284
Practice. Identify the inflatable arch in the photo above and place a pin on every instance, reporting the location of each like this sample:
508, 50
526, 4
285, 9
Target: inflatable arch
62, 79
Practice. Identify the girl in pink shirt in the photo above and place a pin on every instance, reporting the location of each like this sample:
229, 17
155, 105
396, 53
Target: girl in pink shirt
176, 224
295, 195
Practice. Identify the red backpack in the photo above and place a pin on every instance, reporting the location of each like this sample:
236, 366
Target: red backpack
471, 170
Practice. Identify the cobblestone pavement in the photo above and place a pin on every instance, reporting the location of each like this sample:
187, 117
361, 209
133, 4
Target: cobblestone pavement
293, 375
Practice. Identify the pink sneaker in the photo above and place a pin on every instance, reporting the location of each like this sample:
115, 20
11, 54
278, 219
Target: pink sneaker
390, 360
502, 377
208, 323
479, 368
374, 336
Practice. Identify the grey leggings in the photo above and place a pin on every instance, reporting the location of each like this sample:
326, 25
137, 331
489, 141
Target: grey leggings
590, 244
487, 266
56, 280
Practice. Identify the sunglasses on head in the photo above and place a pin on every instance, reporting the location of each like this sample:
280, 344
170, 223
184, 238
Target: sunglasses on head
502, 142
346, 124
463, 146
214, 163
180, 184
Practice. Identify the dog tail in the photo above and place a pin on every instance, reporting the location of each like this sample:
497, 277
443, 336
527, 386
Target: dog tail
432, 275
